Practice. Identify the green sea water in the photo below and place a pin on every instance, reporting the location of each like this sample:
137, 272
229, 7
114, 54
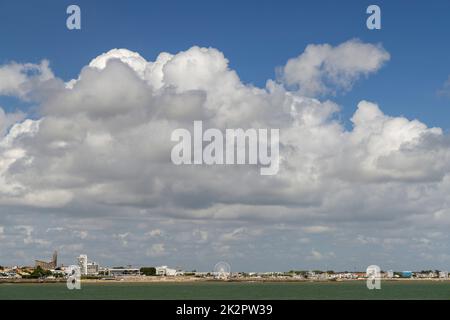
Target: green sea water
231, 290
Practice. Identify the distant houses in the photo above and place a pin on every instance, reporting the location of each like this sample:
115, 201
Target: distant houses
92, 269
169, 272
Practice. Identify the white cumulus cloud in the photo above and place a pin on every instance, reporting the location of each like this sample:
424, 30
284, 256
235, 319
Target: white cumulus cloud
100, 149
323, 69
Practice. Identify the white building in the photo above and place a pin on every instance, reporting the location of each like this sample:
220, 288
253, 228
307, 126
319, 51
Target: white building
121, 272
83, 264
92, 268
165, 271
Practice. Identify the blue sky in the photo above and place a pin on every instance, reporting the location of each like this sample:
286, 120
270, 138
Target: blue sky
256, 36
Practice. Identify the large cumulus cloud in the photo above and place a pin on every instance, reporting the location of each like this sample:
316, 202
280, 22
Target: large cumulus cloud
101, 143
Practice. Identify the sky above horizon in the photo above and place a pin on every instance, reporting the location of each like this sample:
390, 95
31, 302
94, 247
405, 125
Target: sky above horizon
364, 118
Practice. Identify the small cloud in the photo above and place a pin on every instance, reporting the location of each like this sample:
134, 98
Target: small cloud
240, 234
154, 233
29, 239
366, 240
304, 240
200, 235
73, 248
445, 90
54, 229
317, 229
324, 69
156, 250
123, 238
82, 234
317, 256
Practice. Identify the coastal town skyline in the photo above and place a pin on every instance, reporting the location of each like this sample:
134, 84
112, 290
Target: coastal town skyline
82, 261
359, 118
89, 267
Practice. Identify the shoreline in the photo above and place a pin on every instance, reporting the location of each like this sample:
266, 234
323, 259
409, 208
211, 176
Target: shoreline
157, 280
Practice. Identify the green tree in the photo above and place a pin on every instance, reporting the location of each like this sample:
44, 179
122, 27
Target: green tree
318, 271
148, 271
38, 272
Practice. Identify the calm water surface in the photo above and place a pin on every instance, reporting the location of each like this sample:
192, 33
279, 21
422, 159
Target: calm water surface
231, 290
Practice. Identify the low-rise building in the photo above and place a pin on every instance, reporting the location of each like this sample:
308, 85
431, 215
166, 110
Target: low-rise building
166, 271
121, 272
92, 268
